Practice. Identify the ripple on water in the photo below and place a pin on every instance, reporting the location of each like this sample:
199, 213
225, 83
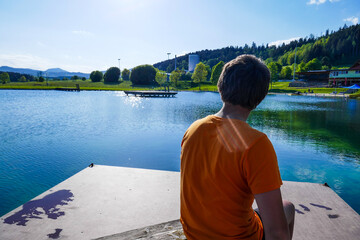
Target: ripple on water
47, 136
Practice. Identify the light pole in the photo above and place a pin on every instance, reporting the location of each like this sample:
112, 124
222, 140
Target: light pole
295, 62
119, 62
167, 76
175, 62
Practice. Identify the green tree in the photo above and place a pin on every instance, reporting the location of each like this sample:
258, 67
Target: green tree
112, 75
4, 77
174, 77
279, 67
125, 74
75, 77
200, 73
96, 76
208, 69
301, 67
325, 61
314, 64
274, 71
286, 73
161, 78
185, 76
22, 79
83, 78
143, 74
216, 71
41, 79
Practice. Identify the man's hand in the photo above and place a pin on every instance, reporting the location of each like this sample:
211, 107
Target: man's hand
276, 225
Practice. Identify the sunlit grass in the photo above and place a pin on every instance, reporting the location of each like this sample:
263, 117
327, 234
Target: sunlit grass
277, 87
283, 87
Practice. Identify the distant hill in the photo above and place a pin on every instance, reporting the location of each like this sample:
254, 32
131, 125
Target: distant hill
335, 48
55, 70
51, 73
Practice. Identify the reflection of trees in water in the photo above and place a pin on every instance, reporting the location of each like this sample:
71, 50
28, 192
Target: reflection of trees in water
191, 113
327, 130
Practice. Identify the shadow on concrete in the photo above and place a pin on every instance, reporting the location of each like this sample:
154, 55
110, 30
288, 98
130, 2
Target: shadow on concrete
49, 204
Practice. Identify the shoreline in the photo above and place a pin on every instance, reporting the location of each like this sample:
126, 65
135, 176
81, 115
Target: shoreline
183, 90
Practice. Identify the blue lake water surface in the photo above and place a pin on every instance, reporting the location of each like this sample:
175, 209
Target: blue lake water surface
48, 136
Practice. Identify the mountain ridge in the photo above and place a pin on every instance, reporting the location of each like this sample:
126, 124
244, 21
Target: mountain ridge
51, 72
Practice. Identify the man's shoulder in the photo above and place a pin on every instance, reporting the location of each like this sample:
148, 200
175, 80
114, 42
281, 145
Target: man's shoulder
210, 126
199, 126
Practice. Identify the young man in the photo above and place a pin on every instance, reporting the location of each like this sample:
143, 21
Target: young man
225, 164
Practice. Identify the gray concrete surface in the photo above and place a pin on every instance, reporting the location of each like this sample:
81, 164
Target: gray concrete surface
126, 203
105, 200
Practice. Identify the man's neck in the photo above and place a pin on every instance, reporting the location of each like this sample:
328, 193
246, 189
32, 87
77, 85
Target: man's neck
229, 110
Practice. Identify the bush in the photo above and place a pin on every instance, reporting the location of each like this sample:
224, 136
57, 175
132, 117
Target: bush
96, 76
125, 74
216, 71
41, 79
22, 79
4, 77
143, 75
112, 75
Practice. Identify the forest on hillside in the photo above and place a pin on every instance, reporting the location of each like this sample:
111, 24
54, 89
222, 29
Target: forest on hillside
331, 50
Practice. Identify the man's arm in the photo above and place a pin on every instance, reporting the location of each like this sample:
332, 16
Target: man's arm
271, 209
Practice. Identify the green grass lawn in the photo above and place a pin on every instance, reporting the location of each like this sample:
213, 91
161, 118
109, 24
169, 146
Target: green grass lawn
84, 85
277, 87
283, 87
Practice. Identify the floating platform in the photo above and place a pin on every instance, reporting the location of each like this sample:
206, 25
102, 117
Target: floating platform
151, 93
68, 89
107, 202
76, 89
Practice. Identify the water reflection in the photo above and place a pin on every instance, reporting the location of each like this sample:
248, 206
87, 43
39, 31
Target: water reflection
330, 128
134, 101
48, 136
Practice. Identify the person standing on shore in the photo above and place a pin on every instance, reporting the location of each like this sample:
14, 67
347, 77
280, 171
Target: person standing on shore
226, 164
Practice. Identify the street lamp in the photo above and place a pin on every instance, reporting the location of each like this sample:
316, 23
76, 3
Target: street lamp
119, 62
175, 62
168, 55
295, 62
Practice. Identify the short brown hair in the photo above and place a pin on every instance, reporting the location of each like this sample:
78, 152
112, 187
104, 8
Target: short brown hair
244, 81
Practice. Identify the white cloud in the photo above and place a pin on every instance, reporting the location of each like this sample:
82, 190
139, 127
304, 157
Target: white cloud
280, 42
24, 61
82, 33
183, 53
318, 2
353, 20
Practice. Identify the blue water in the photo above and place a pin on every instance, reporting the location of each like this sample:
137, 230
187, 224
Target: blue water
48, 136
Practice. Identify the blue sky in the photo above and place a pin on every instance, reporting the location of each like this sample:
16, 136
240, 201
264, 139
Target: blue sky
87, 35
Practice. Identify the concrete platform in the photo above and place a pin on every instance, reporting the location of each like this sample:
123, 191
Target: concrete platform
126, 203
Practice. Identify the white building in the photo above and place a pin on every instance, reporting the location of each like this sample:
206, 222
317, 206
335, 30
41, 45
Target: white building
193, 60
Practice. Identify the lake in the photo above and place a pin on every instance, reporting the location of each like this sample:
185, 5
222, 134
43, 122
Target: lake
48, 136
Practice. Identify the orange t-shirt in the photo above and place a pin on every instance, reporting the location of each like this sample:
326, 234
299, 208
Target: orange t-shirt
224, 163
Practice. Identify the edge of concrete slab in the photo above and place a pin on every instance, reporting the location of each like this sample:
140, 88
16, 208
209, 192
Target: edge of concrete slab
115, 202
167, 230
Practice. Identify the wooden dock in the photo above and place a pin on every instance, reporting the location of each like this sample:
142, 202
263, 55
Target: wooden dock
151, 93
76, 89
127, 203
